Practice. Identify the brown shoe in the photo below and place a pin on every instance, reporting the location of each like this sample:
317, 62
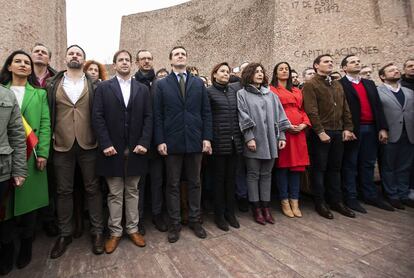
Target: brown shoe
137, 239
111, 244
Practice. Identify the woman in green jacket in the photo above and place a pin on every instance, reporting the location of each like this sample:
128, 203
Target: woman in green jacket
17, 74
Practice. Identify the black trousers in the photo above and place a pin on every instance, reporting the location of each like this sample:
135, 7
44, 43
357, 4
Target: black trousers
225, 167
326, 162
22, 226
190, 163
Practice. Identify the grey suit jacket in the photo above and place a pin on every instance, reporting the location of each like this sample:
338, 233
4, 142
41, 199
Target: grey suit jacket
396, 114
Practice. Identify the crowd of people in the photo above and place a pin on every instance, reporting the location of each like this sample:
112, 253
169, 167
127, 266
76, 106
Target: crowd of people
76, 140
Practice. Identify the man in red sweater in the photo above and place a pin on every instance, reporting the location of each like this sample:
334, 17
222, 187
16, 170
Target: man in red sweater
370, 128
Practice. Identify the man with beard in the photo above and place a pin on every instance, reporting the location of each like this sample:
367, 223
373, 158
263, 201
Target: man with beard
398, 155
122, 121
370, 128
183, 131
70, 97
146, 76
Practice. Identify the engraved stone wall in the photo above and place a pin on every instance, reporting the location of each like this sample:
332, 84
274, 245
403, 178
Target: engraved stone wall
25, 22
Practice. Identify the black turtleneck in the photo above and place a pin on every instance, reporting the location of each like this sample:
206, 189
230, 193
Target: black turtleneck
220, 87
407, 82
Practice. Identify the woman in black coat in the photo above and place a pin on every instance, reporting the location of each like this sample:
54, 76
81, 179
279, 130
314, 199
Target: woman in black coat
226, 145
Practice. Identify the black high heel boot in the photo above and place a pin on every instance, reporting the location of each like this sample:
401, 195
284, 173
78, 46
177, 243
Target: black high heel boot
25, 253
6, 258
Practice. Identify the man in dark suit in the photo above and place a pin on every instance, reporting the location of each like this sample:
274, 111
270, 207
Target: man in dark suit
183, 130
370, 128
122, 121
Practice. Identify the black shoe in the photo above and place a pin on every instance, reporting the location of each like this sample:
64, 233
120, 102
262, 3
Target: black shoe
6, 258
60, 246
243, 204
25, 253
159, 223
98, 244
396, 204
232, 220
51, 229
355, 205
173, 233
379, 204
408, 202
198, 229
342, 209
141, 228
221, 223
323, 211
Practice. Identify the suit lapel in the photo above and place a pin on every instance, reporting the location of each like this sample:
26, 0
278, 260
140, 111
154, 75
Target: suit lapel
406, 96
172, 79
349, 86
28, 96
116, 88
134, 92
188, 84
390, 95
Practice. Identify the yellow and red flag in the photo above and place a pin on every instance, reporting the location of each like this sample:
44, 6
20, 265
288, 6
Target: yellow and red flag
31, 138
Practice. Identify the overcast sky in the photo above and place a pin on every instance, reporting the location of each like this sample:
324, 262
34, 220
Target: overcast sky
96, 25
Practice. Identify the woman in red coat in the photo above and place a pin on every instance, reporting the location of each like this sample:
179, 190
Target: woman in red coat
294, 158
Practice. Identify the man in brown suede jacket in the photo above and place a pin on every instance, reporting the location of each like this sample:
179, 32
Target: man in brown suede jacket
328, 111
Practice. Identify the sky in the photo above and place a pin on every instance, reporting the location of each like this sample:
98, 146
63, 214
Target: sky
95, 25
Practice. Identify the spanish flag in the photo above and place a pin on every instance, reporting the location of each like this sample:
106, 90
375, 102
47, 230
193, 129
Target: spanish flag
31, 138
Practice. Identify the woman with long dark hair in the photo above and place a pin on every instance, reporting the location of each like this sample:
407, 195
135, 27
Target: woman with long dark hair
227, 145
17, 74
294, 158
263, 123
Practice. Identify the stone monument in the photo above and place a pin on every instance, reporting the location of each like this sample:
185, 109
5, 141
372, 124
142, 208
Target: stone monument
270, 31
24, 23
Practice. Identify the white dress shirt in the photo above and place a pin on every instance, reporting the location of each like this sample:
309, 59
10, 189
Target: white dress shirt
125, 88
73, 88
19, 93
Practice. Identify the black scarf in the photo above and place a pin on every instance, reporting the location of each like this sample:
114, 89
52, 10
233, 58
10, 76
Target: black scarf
145, 78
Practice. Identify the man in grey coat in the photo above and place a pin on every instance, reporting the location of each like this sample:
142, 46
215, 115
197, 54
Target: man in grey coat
398, 155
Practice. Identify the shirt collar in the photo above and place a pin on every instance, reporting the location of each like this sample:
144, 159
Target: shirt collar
177, 73
392, 89
354, 80
122, 81
68, 78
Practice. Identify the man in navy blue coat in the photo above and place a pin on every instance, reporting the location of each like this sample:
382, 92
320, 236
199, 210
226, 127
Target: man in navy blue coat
183, 131
122, 120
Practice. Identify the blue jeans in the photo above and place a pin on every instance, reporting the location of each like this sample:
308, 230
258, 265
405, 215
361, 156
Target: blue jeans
396, 161
359, 161
288, 183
